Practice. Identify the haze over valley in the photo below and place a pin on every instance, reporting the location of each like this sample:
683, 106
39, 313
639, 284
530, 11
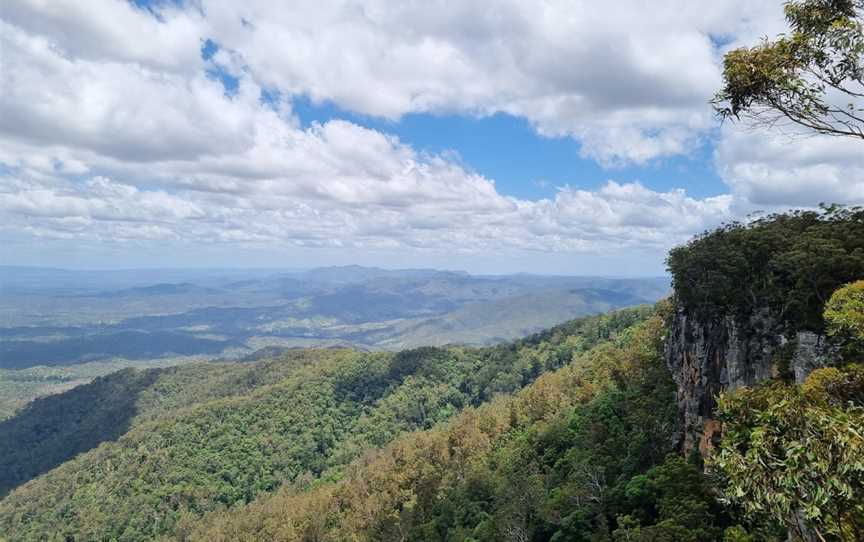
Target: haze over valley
231, 313
61, 327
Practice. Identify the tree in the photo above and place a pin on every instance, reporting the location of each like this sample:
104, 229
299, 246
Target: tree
796, 453
789, 263
844, 316
812, 77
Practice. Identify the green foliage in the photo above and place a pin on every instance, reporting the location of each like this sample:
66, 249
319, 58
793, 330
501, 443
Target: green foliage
53, 429
787, 263
198, 441
50, 431
844, 316
671, 501
798, 77
21, 386
796, 453
580, 454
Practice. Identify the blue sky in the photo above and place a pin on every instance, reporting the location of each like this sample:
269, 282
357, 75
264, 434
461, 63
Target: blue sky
492, 136
506, 148
522, 162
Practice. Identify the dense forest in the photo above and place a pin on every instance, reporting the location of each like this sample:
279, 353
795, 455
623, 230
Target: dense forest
584, 453
587, 453
788, 263
195, 439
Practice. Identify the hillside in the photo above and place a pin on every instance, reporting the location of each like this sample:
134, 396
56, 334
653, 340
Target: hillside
749, 302
53, 429
506, 319
187, 451
555, 461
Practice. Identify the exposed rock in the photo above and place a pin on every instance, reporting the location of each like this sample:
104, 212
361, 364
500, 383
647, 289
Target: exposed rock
709, 357
811, 352
710, 437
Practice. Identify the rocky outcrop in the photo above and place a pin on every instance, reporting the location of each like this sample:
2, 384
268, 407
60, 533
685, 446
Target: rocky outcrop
708, 357
811, 352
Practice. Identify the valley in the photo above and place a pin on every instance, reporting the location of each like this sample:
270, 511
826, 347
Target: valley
72, 327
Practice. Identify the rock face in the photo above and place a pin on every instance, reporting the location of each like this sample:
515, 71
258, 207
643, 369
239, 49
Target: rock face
708, 357
811, 352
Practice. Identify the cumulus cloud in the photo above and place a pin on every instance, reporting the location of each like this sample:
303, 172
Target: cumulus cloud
628, 81
104, 30
615, 217
113, 128
123, 110
771, 170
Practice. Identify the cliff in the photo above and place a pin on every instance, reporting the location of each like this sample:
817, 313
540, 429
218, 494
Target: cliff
748, 303
707, 357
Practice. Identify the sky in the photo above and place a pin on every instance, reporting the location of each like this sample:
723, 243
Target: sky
570, 137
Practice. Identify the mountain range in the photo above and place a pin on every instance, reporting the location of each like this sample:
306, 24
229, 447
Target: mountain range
61, 317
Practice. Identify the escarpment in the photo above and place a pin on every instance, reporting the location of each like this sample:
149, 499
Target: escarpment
747, 306
709, 356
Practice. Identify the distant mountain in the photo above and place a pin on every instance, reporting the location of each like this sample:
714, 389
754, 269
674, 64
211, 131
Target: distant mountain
18, 280
157, 289
358, 273
508, 318
80, 316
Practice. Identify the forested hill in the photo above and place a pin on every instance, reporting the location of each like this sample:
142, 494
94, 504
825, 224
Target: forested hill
56, 428
788, 264
159, 448
581, 454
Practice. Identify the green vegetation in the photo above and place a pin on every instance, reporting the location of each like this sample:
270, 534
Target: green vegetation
844, 316
53, 429
787, 263
581, 454
796, 453
20, 386
199, 440
789, 455
813, 77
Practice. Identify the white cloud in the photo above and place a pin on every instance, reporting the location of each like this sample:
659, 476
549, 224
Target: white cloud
629, 81
122, 110
773, 170
105, 30
111, 132
454, 211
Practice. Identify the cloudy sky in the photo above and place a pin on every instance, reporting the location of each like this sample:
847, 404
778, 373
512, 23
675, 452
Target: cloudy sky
549, 136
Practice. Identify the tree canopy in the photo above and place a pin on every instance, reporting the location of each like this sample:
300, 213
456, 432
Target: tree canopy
796, 453
585, 453
812, 77
789, 263
844, 316
196, 439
